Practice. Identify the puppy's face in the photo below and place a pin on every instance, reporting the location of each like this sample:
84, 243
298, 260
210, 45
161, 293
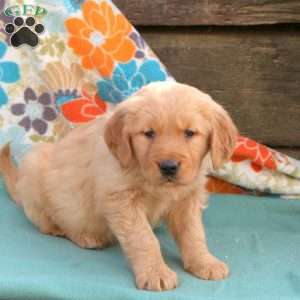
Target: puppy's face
166, 130
168, 141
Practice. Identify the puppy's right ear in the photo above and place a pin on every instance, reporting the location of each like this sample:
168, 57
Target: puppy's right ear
117, 137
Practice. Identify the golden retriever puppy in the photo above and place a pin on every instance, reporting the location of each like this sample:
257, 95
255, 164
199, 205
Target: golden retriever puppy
118, 176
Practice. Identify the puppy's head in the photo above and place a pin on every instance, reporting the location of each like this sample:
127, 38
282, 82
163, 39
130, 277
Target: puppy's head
166, 129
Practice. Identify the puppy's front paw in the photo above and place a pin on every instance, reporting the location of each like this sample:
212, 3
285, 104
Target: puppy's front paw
209, 268
157, 278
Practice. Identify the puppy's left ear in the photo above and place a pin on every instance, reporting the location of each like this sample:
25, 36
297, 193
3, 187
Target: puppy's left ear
223, 138
117, 137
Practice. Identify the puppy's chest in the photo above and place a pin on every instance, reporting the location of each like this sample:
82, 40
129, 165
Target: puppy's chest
157, 208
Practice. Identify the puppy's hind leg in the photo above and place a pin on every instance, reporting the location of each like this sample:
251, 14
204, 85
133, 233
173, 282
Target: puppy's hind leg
39, 218
80, 225
91, 240
50, 228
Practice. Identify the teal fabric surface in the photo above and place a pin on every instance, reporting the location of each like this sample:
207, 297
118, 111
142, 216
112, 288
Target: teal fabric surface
258, 237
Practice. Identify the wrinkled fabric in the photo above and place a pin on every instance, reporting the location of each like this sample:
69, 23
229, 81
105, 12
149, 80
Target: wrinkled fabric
258, 237
89, 58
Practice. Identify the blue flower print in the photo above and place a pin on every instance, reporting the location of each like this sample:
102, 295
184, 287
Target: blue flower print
129, 78
72, 5
15, 135
9, 73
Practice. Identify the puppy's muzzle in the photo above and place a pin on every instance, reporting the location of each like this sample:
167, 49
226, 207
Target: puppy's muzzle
169, 168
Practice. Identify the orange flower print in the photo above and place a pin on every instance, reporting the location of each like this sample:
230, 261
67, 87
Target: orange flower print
84, 109
260, 156
216, 185
101, 38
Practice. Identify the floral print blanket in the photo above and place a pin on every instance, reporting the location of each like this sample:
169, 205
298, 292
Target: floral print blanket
77, 59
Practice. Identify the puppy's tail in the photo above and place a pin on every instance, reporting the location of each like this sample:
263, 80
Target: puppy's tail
9, 171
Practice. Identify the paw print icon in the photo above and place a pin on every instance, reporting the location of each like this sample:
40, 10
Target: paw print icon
24, 31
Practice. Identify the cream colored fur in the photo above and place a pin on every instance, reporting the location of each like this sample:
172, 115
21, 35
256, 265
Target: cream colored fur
102, 183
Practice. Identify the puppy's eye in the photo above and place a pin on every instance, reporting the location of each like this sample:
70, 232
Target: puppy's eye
188, 133
150, 134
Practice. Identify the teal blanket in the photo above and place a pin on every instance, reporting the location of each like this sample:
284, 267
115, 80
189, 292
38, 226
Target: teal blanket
258, 237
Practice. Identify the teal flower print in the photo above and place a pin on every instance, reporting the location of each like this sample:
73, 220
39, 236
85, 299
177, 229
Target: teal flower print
72, 5
129, 78
9, 73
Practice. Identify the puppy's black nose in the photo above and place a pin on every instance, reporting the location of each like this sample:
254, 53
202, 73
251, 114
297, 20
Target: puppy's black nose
168, 167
